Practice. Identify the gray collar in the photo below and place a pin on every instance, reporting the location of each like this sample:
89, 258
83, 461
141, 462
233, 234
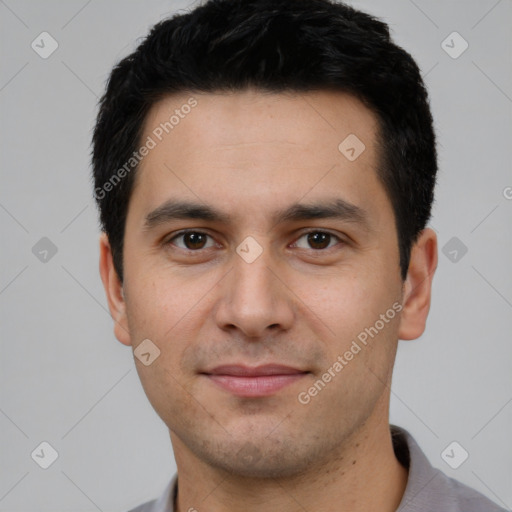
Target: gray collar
428, 489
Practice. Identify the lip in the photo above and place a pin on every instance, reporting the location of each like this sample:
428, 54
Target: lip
242, 370
257, 381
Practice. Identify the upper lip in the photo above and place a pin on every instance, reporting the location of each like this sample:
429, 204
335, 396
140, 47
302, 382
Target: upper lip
241, 370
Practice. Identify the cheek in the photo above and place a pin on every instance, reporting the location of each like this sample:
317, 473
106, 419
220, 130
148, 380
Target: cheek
342, 300
169, 393
346, 307
159, 300
169, 310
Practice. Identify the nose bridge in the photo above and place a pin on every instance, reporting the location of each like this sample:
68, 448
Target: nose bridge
253, 281
253, 298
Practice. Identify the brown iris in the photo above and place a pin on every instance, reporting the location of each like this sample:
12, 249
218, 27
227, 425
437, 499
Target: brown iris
194, 240
318, 238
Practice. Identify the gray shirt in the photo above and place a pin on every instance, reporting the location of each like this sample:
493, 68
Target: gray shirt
428, 489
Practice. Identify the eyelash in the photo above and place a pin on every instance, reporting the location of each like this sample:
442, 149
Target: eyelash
188, 231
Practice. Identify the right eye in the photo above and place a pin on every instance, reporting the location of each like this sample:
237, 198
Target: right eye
192, 240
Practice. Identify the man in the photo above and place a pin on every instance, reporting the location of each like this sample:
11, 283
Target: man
264, 172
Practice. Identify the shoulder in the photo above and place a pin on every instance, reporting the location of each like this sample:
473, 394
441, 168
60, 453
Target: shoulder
164, 503
474, 501
428, 488
463, 498
149, 506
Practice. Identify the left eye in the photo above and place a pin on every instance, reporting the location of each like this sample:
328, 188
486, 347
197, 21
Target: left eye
317, 240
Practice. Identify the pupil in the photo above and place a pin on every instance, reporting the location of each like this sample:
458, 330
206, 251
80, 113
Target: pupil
319, 238
193, 240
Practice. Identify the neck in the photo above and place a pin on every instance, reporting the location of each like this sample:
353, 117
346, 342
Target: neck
365, 475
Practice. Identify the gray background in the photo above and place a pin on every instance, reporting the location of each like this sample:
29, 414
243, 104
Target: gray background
66, 380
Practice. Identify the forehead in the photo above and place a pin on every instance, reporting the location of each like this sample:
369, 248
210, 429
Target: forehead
230, 119
250, 145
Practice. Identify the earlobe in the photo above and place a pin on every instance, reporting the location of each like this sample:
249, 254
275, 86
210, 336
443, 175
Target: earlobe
114, 291
417, 289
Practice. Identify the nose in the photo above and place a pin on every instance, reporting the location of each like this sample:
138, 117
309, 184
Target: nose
254, 299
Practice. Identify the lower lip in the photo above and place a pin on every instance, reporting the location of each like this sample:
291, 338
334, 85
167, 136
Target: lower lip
262, 385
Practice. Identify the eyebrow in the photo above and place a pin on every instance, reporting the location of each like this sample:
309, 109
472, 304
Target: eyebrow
328, 209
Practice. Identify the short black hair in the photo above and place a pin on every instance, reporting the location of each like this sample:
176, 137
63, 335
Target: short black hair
273, 46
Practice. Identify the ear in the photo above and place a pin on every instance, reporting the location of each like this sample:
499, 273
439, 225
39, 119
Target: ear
417, 289
114, 291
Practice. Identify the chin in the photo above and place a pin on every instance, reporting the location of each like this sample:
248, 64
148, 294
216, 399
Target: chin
259, 460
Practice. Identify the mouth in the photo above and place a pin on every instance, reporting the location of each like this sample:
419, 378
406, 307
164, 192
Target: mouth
245, 381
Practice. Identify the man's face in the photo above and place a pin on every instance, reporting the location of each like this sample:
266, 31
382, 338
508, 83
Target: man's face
301, 303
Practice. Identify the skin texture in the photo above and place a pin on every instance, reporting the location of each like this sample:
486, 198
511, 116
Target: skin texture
249, 154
